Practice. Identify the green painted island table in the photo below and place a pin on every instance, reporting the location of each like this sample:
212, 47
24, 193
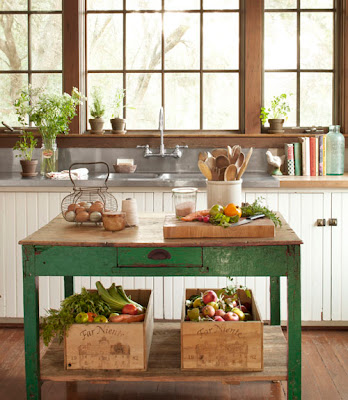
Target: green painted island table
64, 249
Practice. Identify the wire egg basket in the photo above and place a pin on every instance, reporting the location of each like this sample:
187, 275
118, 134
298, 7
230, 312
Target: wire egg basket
87, 204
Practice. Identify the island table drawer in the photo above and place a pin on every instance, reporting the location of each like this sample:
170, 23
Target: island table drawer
160, 256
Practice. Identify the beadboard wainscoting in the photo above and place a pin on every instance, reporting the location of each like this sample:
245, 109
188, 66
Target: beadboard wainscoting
324, 253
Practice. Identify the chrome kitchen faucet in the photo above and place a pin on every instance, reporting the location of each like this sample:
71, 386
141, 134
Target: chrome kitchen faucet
177, 153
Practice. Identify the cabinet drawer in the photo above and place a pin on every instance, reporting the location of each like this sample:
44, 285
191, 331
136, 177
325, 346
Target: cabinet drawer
160, 256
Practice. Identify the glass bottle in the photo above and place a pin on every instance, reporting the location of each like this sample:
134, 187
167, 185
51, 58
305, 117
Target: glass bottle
334, 151
49, 156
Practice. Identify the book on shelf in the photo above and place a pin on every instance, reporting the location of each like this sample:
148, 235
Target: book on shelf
289, 154
313, 152
298, 158
305, 156
324, 155
320, 155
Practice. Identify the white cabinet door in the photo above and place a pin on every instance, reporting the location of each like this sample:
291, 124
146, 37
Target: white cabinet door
301, 211
339, 271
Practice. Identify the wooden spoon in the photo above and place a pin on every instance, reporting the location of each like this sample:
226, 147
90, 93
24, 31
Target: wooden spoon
229, 153
203, 167
211, 162
236, 153
222, 162
230, 173
240, 160
219, 152
245, 164
222, 173
202, 155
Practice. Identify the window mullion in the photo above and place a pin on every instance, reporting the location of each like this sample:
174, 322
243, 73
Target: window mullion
253, 65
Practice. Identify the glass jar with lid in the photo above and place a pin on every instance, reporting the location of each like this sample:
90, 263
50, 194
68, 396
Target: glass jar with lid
184, 200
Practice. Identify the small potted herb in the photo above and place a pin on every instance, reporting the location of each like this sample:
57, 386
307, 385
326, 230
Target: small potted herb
279, 108
118, 124
26, 145
97, 112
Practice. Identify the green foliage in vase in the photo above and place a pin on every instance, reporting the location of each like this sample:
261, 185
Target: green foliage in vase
97, 107
51, 113
279, 108
25, 145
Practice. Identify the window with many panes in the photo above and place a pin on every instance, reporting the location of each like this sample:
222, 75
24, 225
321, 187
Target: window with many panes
30, 50
299, 58
183, 55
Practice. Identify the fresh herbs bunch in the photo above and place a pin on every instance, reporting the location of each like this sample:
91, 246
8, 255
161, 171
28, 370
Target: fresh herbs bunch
51, 113
221, 219
118, 103
25, 145
256, 207
57, 322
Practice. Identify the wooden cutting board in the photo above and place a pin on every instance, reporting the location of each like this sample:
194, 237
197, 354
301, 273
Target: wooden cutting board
175, 229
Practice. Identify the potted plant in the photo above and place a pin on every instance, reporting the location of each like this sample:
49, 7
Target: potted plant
97, 112
52, 114
279, 108
26, 145
118, 124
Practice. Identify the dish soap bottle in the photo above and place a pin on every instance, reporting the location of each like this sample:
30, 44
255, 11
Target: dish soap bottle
334, 151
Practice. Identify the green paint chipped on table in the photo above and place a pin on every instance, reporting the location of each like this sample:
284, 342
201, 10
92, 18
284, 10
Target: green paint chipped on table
52, 251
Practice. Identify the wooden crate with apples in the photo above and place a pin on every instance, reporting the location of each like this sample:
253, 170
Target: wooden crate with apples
223, 345
124, 346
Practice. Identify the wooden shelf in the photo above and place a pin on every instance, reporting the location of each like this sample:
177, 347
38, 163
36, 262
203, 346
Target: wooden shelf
164, 362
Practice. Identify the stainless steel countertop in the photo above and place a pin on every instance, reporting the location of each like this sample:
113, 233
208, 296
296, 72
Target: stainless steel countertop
146, 179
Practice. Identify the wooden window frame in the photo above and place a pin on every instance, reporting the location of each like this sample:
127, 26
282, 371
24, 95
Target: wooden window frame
251, 70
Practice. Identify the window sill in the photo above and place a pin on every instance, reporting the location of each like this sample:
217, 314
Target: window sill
130, 140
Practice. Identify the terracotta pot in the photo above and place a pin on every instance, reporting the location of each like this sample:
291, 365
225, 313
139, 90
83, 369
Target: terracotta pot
29, 168
276, 126
118, 124
97, 125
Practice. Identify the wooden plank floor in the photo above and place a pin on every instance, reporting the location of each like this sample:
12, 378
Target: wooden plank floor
325, 376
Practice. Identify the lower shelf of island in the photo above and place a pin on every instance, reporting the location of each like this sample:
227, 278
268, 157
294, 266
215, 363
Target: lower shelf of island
164, 362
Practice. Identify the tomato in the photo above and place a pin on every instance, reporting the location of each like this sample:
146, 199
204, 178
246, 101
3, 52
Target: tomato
231, 210
91, 316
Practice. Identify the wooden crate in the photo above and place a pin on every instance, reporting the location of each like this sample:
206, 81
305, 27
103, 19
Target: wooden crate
222, 346
113, 345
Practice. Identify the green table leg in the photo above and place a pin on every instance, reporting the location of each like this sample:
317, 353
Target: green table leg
294, 326
31, 325
275, 300
68, 286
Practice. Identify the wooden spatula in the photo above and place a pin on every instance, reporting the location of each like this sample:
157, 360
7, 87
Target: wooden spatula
203, 167
245, 164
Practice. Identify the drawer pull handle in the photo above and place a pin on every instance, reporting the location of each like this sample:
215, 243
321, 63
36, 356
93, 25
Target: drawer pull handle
159, 254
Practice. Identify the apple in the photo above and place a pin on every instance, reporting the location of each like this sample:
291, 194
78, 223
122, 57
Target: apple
198, 302
100, 319
239, 313
219, 313
208, 311
81, 318
209, 296
243, 308
231, 316
91, 316
193, 314
130, 309
218, 319
214, 305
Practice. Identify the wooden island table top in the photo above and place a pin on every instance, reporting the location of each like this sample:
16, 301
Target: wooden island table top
149, 233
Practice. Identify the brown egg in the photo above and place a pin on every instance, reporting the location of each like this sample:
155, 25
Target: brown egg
98, 201
79, 209
82, 216
72, 207
96, 207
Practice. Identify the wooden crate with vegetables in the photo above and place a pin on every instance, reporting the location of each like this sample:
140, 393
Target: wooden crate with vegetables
221, 330
104, 329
